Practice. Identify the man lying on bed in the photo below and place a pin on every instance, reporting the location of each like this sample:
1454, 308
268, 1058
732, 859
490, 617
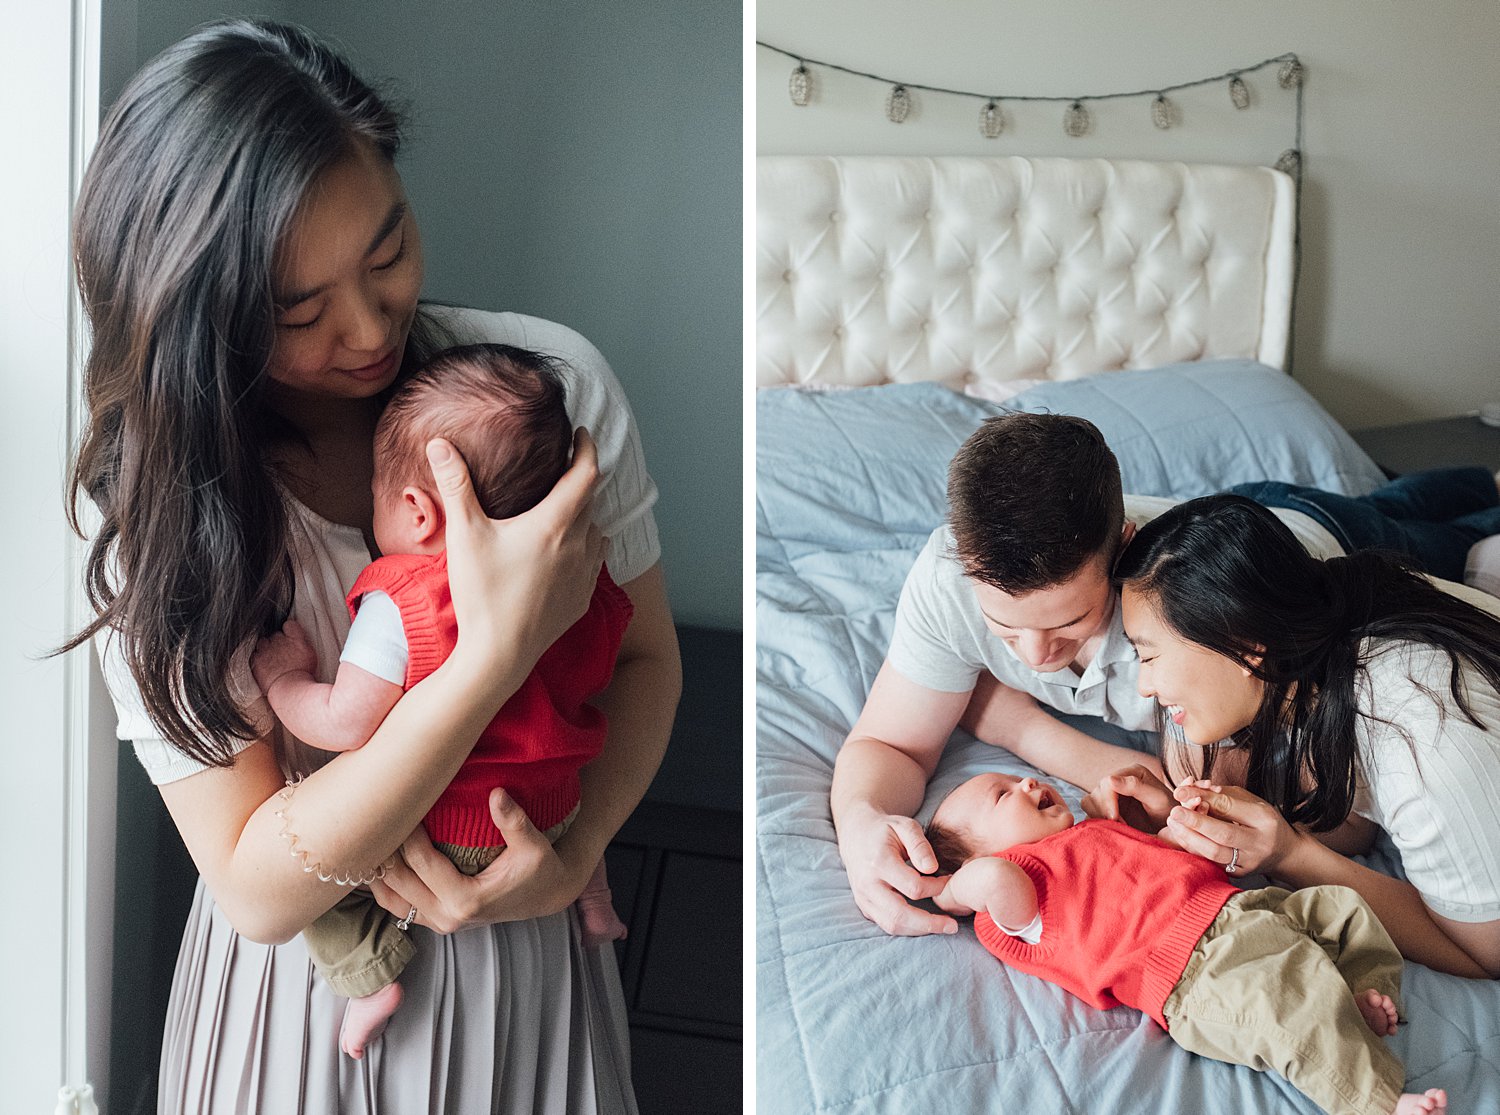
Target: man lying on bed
1036, 507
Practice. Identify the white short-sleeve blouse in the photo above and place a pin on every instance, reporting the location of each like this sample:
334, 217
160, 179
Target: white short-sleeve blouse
327, 556
1428, 776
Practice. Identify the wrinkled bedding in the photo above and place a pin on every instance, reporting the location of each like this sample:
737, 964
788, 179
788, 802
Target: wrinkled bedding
849, 484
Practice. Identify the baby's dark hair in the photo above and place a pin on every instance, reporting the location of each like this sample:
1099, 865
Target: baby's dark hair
502, 407
950, 846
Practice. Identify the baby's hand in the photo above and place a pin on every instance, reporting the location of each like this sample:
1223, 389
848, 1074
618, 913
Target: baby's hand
286, 652
1191, 793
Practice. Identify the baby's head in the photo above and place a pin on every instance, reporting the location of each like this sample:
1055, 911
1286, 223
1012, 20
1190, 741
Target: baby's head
992, 812
503, 408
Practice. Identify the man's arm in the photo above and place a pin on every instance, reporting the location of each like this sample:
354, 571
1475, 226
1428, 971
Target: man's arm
1009, 718
878, 784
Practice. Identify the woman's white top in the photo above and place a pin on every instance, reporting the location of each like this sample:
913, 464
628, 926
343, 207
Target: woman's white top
327, 556
1436, 788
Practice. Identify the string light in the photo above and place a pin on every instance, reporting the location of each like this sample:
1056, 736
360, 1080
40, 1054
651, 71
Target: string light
1163, 112
991, 120
1239, 92
898, 104
800, 86
1077, 120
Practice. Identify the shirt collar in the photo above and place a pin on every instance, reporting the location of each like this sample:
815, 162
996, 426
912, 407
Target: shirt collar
1113, 651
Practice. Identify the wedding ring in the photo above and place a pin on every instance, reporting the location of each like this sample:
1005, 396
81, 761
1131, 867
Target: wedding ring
405, 923
1234, 863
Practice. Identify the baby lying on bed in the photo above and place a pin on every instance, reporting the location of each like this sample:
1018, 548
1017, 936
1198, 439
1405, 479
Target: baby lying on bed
1304, 982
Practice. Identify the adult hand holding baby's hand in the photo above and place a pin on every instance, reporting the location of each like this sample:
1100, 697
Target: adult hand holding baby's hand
1232, 826
288, 651
519, 583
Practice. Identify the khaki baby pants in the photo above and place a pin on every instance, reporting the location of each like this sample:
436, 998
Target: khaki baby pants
358, 947
1271, 984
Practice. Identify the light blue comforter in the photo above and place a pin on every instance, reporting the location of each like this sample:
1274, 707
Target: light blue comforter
849, 485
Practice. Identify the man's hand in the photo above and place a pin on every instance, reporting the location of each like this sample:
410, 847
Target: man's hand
889, 861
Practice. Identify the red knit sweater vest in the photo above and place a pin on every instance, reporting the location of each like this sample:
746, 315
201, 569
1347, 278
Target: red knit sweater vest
1121, 914
541, 737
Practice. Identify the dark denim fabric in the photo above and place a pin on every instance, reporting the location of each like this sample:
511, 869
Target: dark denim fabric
1432, 517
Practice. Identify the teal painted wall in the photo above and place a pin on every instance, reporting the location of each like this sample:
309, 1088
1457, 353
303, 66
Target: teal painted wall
581, 161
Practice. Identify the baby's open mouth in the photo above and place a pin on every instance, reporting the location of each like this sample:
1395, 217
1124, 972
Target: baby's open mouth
1046, 800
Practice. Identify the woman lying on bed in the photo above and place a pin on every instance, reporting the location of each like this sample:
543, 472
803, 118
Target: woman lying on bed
1350, 688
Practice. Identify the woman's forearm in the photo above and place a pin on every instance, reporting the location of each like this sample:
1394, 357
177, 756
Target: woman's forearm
349, 816
1397, 904
639, 705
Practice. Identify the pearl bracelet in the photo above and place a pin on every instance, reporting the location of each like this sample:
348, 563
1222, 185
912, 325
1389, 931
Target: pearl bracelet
314, 867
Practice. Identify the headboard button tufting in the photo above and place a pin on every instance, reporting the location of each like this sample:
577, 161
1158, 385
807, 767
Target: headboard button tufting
1010, 244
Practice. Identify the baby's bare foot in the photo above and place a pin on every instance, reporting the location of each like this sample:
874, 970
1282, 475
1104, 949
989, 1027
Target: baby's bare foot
598, 923
1434, 1099
365, 1019
1379, 1011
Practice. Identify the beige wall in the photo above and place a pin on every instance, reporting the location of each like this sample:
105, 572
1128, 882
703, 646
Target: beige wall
1397, 311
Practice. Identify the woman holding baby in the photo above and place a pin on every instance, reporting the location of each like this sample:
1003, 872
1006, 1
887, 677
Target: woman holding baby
250, 268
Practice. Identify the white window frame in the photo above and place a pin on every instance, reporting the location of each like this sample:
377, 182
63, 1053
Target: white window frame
58, 822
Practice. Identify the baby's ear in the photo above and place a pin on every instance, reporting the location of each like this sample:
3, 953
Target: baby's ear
423, 513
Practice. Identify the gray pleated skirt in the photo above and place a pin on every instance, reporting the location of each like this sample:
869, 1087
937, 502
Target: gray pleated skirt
509, 1018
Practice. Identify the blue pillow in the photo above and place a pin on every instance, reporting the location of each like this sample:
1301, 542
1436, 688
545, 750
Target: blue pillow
1185, 430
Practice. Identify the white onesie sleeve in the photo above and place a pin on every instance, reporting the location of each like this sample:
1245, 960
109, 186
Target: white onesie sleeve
1031, 932
377, 640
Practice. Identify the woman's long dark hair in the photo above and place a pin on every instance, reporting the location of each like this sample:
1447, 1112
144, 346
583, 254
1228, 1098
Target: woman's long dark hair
1227, 574
200, 167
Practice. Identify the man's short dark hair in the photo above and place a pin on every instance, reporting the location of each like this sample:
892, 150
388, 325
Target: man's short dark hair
1032, 498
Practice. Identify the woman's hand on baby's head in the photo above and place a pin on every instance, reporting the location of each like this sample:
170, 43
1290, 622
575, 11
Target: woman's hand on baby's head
519, 583
288, 651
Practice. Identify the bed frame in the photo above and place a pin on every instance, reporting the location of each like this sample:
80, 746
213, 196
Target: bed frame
976, 271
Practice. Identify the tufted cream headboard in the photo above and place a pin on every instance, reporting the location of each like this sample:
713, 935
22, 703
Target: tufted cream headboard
891, 269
